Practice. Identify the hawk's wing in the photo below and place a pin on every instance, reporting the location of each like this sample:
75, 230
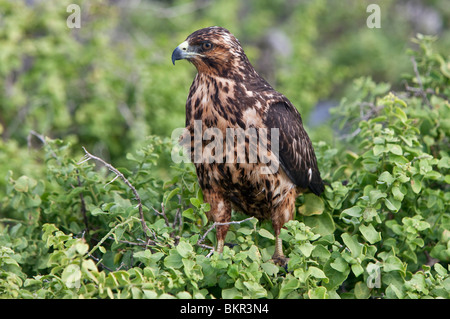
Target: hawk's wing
296, 153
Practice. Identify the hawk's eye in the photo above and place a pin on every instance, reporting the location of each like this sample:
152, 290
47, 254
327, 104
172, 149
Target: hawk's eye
207, 46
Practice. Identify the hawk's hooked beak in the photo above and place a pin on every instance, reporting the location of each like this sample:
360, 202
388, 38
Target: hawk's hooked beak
183, 51
180, 52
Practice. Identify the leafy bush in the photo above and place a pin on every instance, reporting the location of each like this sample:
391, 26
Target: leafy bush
74, 227
110, 83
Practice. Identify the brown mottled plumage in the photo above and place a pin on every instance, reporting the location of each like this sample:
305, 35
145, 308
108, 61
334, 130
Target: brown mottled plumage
226, 93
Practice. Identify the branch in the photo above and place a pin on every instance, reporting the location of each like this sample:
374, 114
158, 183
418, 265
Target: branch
371, 112
143, 244
201, 239
419, 80
41, 138
182, 9
83, 204
162, 213
111, 231
177, 218
89, 156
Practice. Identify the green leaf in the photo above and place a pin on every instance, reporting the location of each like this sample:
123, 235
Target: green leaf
379, 140
71, 276
386, 178
195, 201
370, 234
440, 270
168, 195
400, 114
321, 224
316, 272
394, 292
392, 204
433, 175
321, 252
416, 184
354, 211
23, 183
392, 263
231, 293
183, 295
147, 257
336, 271
417, 283
265, 233
375, 195
340, 265
313, 205
192, 269
174, 260
299, 273
398, 194
306, 249
97, 211
378, 149
444, 162
233, 272
184, 249
287, 286
317, 293
256, 290
394, 149
357, 269
369, 214
81, 247
270, 268
361, 290
253, 253
352, 243
189, 214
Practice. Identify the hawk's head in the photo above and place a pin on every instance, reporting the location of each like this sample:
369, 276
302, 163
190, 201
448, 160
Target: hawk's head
212, 50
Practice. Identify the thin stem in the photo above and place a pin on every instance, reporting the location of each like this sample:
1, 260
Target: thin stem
201, 239
89, 156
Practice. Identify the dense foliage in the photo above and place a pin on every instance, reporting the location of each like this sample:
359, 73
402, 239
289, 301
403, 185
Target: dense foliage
72, 227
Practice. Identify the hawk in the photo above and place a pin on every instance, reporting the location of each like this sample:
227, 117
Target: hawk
229, 96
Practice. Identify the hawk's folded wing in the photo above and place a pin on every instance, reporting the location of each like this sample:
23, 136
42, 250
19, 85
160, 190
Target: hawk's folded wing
296, 152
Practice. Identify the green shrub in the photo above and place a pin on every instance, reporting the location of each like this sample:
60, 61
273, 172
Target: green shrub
71, 228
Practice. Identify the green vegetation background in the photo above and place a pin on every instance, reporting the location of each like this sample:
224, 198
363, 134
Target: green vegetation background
110, 86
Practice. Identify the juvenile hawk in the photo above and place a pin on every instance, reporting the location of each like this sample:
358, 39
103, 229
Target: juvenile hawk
229, 96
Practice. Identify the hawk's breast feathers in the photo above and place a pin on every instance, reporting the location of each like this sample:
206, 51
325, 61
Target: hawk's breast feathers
227, 93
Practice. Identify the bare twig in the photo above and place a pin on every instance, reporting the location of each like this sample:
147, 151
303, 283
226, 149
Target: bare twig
83, 204
350, 135
419, 91
419, 80
430, 260
417, 158
143, 244
181, 9
364, 115
36, 134
89, 156
162, 213
41, 138
177, 218
99, 262
201, 239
